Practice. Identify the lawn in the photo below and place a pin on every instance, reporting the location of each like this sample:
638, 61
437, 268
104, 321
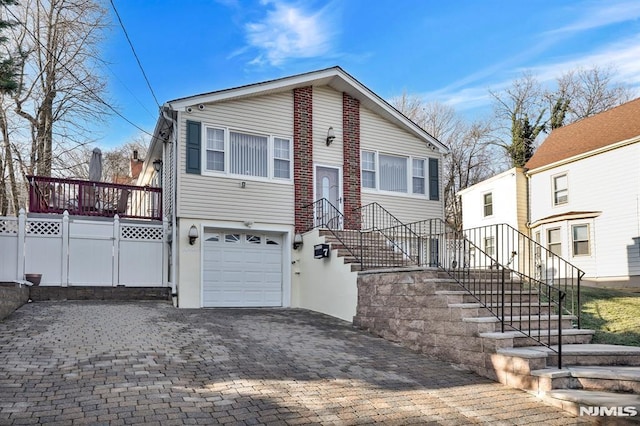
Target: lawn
613, 314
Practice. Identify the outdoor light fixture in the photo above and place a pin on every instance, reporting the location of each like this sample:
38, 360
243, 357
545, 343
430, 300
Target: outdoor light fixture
193, 234
157, 165
330, 136
297, 241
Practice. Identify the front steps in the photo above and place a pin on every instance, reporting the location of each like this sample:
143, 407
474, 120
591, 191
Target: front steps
427, 312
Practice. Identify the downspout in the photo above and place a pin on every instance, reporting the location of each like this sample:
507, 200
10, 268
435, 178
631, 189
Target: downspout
173, 177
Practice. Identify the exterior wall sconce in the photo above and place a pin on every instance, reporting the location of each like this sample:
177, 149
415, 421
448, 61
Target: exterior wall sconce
157, 165
193, 234
330, 136
297, 241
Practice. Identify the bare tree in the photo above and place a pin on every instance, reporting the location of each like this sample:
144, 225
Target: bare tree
59, 91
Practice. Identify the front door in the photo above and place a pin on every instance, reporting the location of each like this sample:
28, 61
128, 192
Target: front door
328, 213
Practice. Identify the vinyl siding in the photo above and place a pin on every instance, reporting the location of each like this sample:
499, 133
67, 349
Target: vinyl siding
327, 112
608, 183
222, 198
379, 135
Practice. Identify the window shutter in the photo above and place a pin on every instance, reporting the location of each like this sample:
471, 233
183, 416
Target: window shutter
434, 180
193, 146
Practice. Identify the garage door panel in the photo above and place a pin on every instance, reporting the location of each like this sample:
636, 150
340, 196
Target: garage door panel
243, 270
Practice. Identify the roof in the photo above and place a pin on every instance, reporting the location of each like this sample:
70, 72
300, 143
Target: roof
618, 124
334, 77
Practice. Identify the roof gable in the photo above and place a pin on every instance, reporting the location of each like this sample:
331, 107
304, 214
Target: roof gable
589, 134
334, 77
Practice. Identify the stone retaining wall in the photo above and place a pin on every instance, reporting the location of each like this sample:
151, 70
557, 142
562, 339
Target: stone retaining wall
403, 307
12, 296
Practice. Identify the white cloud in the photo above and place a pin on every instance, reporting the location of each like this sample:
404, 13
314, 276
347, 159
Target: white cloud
290, 32
601, 13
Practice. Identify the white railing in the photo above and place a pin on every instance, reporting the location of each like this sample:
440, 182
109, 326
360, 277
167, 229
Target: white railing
83, 251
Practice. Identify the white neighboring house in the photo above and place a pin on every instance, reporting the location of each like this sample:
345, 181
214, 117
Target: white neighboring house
584, 196
241, 167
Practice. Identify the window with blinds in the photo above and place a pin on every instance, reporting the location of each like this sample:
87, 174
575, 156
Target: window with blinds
394, 173
246, 154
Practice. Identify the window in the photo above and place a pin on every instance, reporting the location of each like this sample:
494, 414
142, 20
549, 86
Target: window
393, 173
232, 238
215, 149
560, 190
281, 158
490, 246
368, 169
398, 174
245, 154
488, 204
553, 241
580, 238
418, 176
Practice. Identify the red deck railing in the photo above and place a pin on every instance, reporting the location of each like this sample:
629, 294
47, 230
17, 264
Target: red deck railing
88, 198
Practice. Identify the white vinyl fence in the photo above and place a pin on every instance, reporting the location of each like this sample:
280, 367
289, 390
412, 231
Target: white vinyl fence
82, 251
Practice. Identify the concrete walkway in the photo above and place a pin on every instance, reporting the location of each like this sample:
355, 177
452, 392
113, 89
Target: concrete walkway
149, 363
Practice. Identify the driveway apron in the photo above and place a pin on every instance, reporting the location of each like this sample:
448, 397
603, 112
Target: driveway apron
115, 363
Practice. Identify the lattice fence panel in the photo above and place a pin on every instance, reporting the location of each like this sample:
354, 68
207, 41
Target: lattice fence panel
8, 226
44, 228
141, 233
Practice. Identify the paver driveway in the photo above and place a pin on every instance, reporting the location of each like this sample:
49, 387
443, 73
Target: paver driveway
147, 362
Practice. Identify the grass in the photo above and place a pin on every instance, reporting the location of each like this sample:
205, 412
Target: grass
613, 314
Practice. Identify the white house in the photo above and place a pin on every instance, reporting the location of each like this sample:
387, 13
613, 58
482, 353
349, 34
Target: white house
583, 196
240, 168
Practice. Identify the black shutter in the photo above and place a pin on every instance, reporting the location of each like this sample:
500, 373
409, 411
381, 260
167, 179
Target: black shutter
434, 180
193, 146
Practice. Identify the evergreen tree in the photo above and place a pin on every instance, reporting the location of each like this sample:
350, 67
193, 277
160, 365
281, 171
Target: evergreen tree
8, 68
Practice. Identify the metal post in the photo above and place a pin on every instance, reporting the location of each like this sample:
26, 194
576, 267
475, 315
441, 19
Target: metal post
503, 302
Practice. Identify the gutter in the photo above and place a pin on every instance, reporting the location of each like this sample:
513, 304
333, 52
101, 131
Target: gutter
173, 177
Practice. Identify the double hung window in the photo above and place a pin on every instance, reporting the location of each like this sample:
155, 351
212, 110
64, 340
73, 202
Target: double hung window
560, 190
398, 174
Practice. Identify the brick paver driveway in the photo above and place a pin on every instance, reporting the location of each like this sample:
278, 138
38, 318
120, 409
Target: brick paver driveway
146, 362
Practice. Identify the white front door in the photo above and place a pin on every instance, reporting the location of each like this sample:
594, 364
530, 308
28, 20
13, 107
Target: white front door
242, 269
328, 214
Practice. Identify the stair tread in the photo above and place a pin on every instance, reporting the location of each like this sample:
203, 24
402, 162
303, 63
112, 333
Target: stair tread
554, 332
532, 317
613, 372
456, 292
595, 398
577, 349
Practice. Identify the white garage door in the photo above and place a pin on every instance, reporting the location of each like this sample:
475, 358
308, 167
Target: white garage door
242, 269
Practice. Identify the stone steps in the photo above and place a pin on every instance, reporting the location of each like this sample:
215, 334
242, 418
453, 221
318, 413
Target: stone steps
608, 408
620, 379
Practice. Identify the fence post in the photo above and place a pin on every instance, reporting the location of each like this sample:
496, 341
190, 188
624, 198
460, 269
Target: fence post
115, 277
65, 249
165, 251
22, 230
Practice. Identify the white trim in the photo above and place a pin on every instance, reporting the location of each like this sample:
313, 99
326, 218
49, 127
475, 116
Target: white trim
409, 193
287, 240
340, 184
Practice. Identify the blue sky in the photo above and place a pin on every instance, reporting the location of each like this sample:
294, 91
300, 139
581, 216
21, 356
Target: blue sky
449, 51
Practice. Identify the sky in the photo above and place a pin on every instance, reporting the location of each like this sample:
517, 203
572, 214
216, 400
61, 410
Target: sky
450, 51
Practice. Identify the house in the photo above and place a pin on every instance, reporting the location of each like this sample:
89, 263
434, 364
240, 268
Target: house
242, 167
583, 196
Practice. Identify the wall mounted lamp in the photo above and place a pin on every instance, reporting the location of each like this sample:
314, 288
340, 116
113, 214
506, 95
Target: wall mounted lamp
297, 241
330, 136
193, 234
157, 165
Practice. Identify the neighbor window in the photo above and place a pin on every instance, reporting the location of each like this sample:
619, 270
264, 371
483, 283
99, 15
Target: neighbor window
580, 238
488, 204
490, 246
560, 190
554, 244
247, 154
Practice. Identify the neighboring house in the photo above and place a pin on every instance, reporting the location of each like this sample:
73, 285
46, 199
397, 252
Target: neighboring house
241, 166
584, 195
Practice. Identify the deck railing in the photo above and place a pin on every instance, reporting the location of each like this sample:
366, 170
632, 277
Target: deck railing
89, 198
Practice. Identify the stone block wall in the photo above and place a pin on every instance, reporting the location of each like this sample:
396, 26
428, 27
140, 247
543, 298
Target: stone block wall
403, 307
12, 296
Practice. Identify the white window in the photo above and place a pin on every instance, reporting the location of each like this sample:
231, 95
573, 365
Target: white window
580, 237
418, 176
488, 204
215, 149
490, 246
554, 244
560, 190
246, 154
281, 158
393, 173
368, 169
